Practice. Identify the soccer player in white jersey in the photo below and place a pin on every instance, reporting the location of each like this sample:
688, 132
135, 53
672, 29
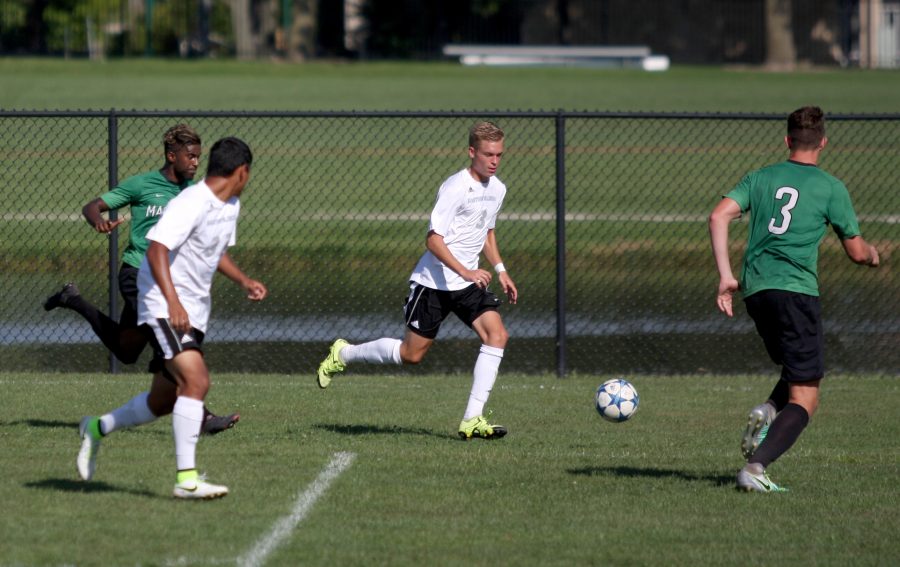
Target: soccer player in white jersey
447, 280
187, 246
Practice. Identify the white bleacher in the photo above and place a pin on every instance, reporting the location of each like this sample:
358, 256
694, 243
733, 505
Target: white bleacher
615, 56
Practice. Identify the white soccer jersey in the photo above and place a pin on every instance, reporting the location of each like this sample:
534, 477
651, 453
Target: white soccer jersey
463, 213
196, 227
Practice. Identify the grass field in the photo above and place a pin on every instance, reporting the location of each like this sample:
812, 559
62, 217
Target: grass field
229, 85
563, 488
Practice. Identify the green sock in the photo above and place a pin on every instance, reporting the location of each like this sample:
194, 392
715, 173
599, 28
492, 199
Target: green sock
184, 476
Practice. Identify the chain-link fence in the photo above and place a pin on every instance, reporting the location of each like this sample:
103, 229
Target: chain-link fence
337, 209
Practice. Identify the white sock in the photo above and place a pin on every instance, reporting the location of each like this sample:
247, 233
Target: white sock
382, 351
187, 417
134, 412
486, 367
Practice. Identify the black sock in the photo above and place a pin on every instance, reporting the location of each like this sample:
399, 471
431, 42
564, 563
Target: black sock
782, 434
105, 328
780, 395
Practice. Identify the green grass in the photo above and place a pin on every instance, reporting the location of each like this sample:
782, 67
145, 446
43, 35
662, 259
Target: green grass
564, 488
259, 85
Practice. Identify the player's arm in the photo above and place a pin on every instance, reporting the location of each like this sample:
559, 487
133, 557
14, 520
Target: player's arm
93, 213
436, 245
861, 252
256, 291
726, 211
492, 254
158, 259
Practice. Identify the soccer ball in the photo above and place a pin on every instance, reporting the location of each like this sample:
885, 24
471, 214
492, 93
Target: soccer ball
616, 400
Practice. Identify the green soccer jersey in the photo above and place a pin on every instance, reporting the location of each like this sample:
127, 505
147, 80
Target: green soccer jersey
790, 205
147, 194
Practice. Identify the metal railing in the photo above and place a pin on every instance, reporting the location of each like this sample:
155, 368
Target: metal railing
603, 230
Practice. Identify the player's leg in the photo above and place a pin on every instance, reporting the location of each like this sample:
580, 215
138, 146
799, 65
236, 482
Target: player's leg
141, 409
192, 375
184, 361
424, 313
800, 339
212, 423
107, 330
131, 339
478, 308
762, 310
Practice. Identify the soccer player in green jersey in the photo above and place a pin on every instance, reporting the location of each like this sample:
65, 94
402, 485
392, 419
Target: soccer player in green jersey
147, 194
790, 203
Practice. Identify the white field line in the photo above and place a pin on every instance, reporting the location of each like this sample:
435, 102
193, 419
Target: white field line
381, 217
304, 503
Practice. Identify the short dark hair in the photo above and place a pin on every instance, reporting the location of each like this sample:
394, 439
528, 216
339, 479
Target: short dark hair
178, 136
227, 155
806, 128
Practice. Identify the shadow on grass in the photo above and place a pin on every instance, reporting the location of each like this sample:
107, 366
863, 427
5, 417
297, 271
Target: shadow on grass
39, 423
69, 485
635, 472
346, 429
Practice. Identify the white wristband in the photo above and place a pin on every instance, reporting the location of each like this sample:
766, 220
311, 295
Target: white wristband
499, 267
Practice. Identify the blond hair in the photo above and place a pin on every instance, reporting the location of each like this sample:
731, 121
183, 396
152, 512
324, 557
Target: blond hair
178, 136
484, 132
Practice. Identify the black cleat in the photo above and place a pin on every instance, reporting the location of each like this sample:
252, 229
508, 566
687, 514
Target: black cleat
217, 423
61, 298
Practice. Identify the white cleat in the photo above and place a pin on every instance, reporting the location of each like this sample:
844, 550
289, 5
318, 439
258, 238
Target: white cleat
758, 421
87, 456
199, 489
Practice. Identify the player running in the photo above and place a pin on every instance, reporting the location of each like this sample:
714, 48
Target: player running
187, 246
447, 280
147, 195
791, 203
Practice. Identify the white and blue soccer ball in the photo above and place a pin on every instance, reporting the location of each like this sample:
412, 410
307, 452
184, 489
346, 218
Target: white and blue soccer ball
616, 400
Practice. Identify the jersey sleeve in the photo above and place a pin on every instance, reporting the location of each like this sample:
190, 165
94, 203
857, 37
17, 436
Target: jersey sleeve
177, 222
122, 194
841, 214
741, 192
445, 207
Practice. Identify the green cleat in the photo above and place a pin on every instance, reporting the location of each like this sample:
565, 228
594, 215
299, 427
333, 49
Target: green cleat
753, 478
89, 431
479, 427
758, 422
331, 364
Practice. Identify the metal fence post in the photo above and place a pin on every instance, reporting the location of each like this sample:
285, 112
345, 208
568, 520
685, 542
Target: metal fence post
113, 128
560, 244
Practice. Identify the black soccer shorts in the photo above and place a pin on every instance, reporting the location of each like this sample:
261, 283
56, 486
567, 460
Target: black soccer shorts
790, 325
426, 308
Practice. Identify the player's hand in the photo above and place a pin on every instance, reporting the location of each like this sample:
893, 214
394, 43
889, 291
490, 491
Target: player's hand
256, 291
178, 317
482, 278
107, 226
727, 288
508, 287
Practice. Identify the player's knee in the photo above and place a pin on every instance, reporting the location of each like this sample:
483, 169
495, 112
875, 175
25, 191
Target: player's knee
411, 357
498, 338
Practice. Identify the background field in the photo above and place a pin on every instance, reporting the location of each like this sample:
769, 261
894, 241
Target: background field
228, 85
563, 488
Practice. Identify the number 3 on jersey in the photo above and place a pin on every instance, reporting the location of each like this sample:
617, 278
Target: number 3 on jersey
792, 195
